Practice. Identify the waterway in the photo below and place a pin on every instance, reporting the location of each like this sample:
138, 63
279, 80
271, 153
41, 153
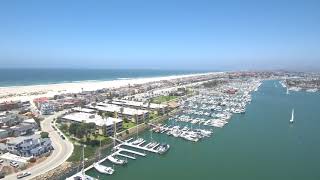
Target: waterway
260, 144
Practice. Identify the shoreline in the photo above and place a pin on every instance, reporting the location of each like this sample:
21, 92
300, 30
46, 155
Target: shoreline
29, 92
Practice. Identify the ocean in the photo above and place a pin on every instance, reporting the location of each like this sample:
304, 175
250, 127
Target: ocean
21, 77
260, 144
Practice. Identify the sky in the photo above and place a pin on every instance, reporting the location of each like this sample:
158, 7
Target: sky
160, 34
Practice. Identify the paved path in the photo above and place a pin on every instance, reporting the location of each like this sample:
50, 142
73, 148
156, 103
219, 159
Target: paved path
62, 151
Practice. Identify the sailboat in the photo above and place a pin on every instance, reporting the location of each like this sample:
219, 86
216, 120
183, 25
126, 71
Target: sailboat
287, 91
292, 116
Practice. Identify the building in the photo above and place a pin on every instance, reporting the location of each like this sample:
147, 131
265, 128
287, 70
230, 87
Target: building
159, 108
9, 105
85, 110
22, 129
123, 112
8, 119
46, 108
28, 146
8, 157
39, 101
102, 124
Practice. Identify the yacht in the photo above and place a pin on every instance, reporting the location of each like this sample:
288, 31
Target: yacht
117, 161
163, 148
138, 141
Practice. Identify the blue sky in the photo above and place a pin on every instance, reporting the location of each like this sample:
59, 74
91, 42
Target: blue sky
163, 34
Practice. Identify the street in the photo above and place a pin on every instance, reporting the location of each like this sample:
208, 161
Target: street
62, 151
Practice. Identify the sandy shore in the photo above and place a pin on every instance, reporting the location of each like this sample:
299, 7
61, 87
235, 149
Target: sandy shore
33, 91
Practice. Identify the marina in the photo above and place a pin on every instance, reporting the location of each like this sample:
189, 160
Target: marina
224, 147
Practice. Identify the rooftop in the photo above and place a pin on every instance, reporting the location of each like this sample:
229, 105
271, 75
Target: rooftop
116, 108
91, 118
138, 104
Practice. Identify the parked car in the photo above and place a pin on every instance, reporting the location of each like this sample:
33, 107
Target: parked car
14, 164
1, 161
62, 136
23, 174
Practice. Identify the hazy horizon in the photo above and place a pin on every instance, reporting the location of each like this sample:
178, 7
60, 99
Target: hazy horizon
171, 35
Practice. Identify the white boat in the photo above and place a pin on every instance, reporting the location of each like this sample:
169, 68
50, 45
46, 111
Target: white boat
138, 141
163, 148
292, 116
116, 160
103, 169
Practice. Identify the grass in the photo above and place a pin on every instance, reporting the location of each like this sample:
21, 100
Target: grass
162, 99
128, 125
76, 156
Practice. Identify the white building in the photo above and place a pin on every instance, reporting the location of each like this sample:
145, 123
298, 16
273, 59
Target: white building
79, 117
160, 108
126, 112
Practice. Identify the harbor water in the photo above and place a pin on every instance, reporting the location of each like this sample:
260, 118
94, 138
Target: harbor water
260, 144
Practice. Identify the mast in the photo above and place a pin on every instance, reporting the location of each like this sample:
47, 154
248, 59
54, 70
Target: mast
292, 114
114, 133
82, 170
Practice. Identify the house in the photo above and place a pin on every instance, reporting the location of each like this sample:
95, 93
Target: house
39, 101
22, 129
46, 108
9, 119
28, 146
31, 122
102, 124
9, 105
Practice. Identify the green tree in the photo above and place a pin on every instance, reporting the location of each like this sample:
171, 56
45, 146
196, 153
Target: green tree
104, 130
91, 127
44, 135
73, 128
81, 131
64, 127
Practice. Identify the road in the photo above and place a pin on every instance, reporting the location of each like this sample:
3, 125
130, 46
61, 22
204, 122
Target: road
62, 151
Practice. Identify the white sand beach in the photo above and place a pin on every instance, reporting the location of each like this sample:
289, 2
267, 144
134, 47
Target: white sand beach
24, 93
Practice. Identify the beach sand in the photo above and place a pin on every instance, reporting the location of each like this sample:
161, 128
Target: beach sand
25, 93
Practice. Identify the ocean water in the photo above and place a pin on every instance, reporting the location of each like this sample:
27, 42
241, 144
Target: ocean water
19, 77
260, 144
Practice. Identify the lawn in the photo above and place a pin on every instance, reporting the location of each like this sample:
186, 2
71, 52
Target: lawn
128, 125
76, 156
162, 99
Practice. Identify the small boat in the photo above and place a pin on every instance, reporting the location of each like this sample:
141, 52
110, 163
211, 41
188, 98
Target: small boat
103, 169
163, 148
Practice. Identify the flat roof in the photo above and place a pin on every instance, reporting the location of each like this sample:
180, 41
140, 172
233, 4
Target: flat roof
30, 121
138, 104
116, 108
13, 157
91, 118
86, 110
